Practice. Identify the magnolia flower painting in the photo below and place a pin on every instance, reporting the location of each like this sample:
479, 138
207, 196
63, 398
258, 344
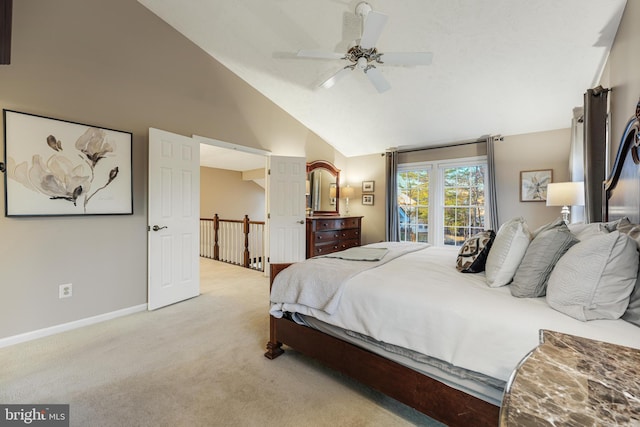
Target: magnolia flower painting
56, 167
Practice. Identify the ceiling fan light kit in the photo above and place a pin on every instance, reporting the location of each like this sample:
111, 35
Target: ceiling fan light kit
364, 54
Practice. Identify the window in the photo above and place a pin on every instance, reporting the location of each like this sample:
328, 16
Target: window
413, 205
442, 202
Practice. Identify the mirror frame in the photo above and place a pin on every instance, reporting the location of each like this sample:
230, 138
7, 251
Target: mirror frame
323, 164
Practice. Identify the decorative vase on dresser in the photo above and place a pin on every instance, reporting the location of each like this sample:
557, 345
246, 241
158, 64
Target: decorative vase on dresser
327, 234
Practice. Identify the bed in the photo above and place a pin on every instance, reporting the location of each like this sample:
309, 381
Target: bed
402, 319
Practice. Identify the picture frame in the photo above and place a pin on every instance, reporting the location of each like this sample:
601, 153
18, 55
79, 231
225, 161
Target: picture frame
367, 199
368, 186
57, 167
533, 185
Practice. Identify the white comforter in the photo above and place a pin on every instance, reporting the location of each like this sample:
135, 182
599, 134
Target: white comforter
421, 302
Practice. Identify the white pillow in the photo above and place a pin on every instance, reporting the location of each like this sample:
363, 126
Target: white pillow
594, 279
507, 252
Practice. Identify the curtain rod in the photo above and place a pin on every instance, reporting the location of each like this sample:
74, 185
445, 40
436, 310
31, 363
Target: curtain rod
475, 141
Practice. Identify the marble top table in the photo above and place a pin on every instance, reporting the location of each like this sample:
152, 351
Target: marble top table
573, 381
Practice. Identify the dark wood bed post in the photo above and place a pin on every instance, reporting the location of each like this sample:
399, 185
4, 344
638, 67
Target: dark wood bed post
274, 347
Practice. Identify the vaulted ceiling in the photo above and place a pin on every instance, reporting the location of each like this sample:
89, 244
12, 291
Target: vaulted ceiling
499, 66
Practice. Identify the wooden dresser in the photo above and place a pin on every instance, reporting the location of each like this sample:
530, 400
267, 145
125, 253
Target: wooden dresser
326, 234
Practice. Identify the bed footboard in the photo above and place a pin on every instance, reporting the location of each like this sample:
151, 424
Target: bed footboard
429, 396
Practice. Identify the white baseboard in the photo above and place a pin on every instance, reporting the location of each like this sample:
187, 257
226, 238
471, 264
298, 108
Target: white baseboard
40, 333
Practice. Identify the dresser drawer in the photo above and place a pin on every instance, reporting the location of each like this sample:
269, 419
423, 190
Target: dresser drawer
336, 224
325, 248
326, 237
346, 244
335, 235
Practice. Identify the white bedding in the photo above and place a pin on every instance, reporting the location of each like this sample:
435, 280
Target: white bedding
421, 302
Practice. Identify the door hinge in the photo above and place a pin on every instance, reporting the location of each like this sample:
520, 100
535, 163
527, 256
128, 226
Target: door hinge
268, 216
268, 171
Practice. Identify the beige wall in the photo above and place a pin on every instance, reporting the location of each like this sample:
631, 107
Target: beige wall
541, 150
368, 168
623, 72
113, 64
225, 192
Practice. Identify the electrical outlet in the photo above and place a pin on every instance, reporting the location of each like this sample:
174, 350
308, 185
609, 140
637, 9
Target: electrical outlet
65, 291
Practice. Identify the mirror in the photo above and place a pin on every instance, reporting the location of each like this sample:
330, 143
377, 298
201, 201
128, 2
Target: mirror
323, 188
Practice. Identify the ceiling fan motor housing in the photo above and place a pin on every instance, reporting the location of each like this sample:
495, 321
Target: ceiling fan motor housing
363, 9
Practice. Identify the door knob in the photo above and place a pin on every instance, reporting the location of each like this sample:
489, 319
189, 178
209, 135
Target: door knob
157, 228
301, 222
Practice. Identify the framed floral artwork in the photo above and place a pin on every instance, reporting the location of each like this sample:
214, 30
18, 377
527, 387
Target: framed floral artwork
58, 167
533, 185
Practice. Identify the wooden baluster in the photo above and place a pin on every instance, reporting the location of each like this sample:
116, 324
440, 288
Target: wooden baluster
216, 247
246, 241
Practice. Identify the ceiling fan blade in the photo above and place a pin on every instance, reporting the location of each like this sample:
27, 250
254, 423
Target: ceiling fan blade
406, 58
335, 78
318, 54
377, 79
374, 22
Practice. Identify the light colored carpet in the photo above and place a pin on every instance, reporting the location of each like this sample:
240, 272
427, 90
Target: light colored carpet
196, 363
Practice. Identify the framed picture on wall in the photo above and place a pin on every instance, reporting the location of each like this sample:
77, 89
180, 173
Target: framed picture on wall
533, 185
367, 186
58, 167
367, 199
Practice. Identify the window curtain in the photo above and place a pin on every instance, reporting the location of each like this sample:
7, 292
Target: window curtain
576, 157
392, 233
595, 151
492, 199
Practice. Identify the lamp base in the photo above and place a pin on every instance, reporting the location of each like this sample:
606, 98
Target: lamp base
565, 214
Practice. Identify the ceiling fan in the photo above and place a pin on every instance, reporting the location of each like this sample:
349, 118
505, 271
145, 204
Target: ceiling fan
364, 55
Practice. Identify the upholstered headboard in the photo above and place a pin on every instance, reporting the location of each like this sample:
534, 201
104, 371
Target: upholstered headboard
622, 190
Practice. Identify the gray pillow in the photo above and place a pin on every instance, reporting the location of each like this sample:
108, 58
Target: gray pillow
594, 279
614, 225
632, 314
557, 223
543, 253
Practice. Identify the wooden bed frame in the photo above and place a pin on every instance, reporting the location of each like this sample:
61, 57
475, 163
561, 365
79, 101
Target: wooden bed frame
429, 396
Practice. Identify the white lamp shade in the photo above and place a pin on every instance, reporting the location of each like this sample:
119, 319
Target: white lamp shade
332, 192
347, 192
565, 194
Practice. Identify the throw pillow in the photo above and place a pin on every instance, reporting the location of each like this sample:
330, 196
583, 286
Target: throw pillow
542, 255
586, 231
632, 314
557, 223
473, 253
613, 225
594, 279
507, 251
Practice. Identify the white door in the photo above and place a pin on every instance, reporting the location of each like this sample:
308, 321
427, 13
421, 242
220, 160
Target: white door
174, 215
286, 206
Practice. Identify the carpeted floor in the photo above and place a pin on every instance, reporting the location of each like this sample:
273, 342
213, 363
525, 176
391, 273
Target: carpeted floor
196, 363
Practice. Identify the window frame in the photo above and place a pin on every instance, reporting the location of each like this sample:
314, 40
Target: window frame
436, 190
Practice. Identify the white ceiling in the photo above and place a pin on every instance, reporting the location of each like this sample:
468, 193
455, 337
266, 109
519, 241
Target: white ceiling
499, 66
229, 159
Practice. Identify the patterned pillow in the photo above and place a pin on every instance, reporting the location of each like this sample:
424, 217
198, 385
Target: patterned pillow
473, 254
